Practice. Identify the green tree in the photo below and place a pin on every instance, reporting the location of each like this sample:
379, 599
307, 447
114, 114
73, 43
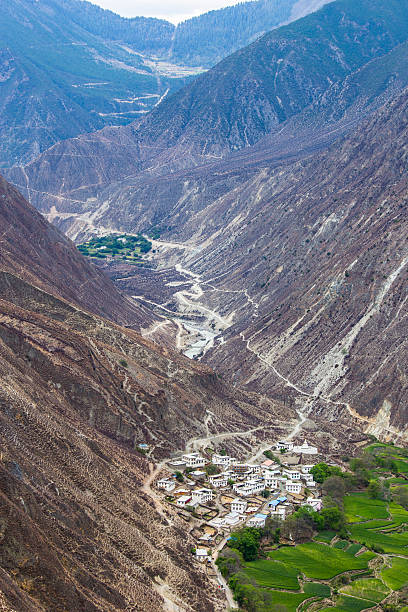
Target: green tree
247, 541
400, 496
374, 489
179, 477
333, 518
212, 469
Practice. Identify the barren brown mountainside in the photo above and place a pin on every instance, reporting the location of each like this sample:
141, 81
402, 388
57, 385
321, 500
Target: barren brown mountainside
302, 270
312, 261
79, 527
36, 251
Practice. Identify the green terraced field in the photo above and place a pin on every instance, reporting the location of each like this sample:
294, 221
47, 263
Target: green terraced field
308, 559
273, 574
343, 544
317, 589
349, 604
367, 588
325, 536
391, 536
396, 576
353, 549
290, 600
359, 507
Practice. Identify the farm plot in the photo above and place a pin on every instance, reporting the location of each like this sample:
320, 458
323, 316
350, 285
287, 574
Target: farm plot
325, 536
388, 536
273, 574
359, 507
396, 576
349, 604
371, 589
307, 559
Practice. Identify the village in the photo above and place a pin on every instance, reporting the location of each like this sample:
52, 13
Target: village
217, 493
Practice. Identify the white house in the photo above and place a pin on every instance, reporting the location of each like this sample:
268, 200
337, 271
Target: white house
201, 554
308, 478
292, 474
239, 505
232, 518
285, 446
202, 496
282, 512
314, 503
305, 449
198, 474
194, 460
256, 485
218, 480
183, 501
305, 469
271, 480
293, 487
258, 520
223, 460
167, 484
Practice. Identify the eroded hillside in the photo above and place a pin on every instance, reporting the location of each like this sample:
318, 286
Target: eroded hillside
79, 529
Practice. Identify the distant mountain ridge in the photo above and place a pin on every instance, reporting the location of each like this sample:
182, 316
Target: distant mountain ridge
278, 88
69, 67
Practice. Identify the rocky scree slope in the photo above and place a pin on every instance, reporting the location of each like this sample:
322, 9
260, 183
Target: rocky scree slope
240, 101
320, 248
77, 394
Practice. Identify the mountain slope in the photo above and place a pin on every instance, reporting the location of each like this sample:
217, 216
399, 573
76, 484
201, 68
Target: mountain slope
79, 526
58, 80
259, 91
32, 248
69, 67
312, 259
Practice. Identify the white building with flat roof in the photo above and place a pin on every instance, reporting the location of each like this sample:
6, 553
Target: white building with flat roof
194, 460
183, 501
293, 487
222, 460
258, 520
202, 496
218, 481
239, 505
167, 484
285, 446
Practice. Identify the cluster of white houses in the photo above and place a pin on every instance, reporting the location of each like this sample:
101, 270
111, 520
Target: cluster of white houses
246, 480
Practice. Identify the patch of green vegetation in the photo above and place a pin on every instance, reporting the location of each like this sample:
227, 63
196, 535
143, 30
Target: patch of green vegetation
396, 576
273, 574
307, 558
349, 604
317, 589
384, 536
359, 507
120, 247
325, 536
343, 544
291, 601
353, 549
367, 588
